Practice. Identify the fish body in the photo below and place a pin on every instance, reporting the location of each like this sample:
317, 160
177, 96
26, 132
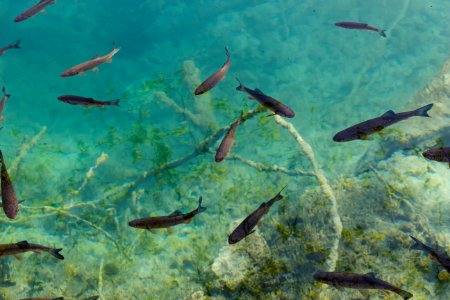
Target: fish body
245, 228
358, 281
9, 198
362, 130
438, 154
33, 10
24, 246
442, 258
86, 102
15, 45
228, 141
2, 103
214, 79
360, 26
90, 64
268, 102
173, 219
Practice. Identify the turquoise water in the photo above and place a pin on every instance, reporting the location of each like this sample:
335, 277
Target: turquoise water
331, 77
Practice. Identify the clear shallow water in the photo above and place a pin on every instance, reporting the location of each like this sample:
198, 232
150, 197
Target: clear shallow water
291, 50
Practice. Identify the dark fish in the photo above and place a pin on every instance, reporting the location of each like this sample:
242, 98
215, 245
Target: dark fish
33, 10
173, 219
360, 26
214, 79
438, 154
2, 103
228, 140
92, 298
24, 246
362, 130
92, 64
15, 45
86, 102
268, 102
442, 258
9, 198
245, 228
358, 281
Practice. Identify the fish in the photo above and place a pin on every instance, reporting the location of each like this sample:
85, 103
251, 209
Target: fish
442, 258
360, 26
2, 103
24, 246
245, 228
362, 130
268, 102
34, 10
358, 281
214, 79
9, 199
15, 45
228, 140
86, 102
441, 154
173, 219
92, 64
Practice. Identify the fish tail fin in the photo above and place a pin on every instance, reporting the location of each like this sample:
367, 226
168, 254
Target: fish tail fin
55, 253
279, 197
4, 92
240, 87
418, 245
423, 111
16, 44
115, 102
382, 32
227, 52
200, 208
404, 294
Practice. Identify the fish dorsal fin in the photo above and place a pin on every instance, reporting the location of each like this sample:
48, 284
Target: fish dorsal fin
371, 275
263, 204
389, 113
95, 56
175, 213
259, 91
23, 244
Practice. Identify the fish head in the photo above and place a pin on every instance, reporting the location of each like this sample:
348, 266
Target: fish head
233, 239
286, 112
434, 154
11, 211
321, 276
137, 224
342, 136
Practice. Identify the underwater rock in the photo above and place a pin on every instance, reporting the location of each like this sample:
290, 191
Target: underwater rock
235, 261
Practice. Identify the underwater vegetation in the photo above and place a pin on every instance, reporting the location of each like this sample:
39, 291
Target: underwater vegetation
82, 174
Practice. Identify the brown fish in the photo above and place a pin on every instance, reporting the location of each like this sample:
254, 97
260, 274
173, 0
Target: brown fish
9, 198
173, 219
358, 281
34, 10
228, 140
360, 26
86, 102
245, 228
15, 45
24, 246
442, 258
438, 154
90, 65
214, 79
361, 131
268, 102
2, 103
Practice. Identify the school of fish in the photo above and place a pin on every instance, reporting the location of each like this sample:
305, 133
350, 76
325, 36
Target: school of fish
360, 131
